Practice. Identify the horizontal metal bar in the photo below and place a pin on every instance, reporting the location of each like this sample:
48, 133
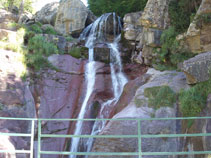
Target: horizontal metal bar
125, 136
177, 153
16, 151
126, 153
89, 153
112, 119
176, 135
18, 119
87, 136
16, 134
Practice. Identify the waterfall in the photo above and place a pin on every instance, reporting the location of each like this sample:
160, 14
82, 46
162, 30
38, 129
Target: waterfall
96, 32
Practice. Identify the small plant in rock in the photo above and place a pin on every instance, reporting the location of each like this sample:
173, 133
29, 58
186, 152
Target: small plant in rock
162, 96
78, 52
50, 30
193, 100
171, 52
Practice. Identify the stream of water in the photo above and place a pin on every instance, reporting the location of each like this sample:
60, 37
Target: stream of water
96, 32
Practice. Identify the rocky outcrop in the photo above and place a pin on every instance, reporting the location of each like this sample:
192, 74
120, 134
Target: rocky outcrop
6, 18
197, 69
155, 14
139, 108
47, 15
72, 17
146, 28
132, 28
198, 35
15, 101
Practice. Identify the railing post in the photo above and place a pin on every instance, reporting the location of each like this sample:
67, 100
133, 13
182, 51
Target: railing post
39, 138
139, 138
32, 140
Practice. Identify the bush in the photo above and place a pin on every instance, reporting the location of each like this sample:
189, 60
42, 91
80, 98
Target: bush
50, 30
193, 101
181, 13
36, 28
171, 52
162, 96
38, 51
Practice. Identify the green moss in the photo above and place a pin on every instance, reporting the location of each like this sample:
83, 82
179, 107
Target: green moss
79, 52
139, 102
162, 96
193, 101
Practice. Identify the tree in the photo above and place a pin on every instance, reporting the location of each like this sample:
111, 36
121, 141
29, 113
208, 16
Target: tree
25, 4
121, 7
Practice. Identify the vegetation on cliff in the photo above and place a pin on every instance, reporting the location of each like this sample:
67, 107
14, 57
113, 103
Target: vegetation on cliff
121, 7
173, 51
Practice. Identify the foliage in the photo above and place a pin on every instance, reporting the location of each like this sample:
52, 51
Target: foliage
79, 52
193, 100
36, 28
39, 50
181, 13
121, 7
50, 30
171, 52
203, 19
162, 96
27, 5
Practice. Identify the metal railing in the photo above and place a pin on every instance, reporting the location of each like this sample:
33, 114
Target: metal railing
139, 136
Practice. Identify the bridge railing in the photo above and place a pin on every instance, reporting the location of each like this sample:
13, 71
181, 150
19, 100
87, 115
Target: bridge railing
139, 136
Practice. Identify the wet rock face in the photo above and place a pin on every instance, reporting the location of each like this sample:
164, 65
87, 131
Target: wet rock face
197, 69
72, 16
102, 53
138, 108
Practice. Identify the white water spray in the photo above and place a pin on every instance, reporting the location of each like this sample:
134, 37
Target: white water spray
96, 33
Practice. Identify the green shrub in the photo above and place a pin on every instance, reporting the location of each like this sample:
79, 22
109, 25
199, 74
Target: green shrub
162, 96
171, 52
50, 30
36, 28
194, 100
181, 13
39, 50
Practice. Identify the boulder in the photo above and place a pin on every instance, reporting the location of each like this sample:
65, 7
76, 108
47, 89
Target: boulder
155, 14
72, 16
25, 18
102, 53
139, 107
131, 27
47, 15
6, 144
6, 18
198, 36
198, 68
8, 36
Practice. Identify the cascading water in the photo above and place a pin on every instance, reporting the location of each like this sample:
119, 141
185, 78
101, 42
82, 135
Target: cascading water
94, 33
